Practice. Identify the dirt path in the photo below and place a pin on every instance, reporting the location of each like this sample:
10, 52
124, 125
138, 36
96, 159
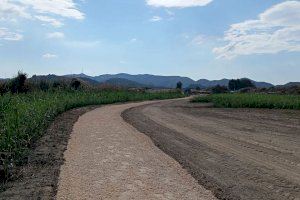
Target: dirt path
236, 153
109, 159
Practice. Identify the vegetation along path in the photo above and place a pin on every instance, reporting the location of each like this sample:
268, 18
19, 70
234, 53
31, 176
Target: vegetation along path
236, 153
107, 158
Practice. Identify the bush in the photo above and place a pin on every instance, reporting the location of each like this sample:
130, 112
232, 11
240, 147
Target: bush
75, 84
179, 85
17, 84
219, 89
3, 88
56, 85
44, 86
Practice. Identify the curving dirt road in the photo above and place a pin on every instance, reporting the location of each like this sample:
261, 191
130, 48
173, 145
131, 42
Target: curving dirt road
107, 158
236, 153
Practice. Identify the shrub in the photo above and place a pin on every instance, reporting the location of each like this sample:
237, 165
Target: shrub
17, 84
3, 88
75, 84
44, 86
56, 85
219, 89
179, 85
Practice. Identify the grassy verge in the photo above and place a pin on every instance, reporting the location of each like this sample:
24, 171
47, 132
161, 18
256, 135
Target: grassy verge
252, 101
24, 117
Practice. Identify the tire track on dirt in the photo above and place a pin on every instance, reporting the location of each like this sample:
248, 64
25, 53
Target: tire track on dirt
231, 156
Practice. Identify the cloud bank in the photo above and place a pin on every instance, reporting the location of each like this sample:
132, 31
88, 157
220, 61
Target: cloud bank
6, 34
178, 3
50, 11
276, 30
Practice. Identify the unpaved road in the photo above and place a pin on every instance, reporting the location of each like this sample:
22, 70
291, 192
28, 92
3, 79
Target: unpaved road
236, 153
107, 158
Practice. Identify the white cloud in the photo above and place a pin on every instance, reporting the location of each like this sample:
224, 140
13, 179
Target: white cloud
276, 30
155, 19
198, 40
9, 9
43, 10
49, 56
55, 35
178, 3
5, 34
63, 8
133, 40
54, 22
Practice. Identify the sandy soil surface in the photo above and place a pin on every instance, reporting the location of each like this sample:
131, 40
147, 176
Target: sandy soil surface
109, 159
236, 153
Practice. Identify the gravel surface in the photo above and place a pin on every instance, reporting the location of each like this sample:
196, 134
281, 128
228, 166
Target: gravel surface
107, 158
236, 153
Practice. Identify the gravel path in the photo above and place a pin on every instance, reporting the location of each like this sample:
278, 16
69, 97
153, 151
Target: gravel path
109, 159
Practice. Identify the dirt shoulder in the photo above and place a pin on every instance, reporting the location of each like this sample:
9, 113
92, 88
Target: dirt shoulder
107, 158
236, 153
38, 179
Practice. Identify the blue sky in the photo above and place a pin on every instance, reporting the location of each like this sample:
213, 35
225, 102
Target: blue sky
210, 39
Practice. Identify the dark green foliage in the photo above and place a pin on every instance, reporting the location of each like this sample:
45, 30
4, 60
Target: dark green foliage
75, 84
56, 85
252, 100
17, 84
179, 85
239, 84
44, 86
3, 88
219, 89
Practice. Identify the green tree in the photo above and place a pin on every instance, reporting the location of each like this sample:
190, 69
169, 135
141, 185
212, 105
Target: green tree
237, 84
75, 84
17, 84
179, 85
219, 89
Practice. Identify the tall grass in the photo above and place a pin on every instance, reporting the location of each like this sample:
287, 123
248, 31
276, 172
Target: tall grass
24, 117
252, 100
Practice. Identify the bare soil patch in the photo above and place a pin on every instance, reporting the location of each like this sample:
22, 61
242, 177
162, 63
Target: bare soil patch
236, 153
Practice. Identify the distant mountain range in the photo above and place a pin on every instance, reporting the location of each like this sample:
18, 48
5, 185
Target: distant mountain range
121, 82
162, 81
153, 81
144, 79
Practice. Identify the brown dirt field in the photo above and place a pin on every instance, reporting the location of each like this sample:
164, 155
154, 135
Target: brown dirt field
39, 177
236, 153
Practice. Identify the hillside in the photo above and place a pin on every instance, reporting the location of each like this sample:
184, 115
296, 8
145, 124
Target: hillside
53, 78
147, 80
144, 79
291, 84
164, 81
124, 83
